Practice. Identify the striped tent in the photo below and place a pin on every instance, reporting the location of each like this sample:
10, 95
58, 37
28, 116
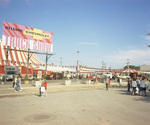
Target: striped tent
130, 71
17, 58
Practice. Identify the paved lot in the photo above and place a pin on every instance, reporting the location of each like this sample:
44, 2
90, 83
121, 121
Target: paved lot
94, 106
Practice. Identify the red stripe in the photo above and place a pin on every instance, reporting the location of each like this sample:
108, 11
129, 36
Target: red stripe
29, 60
25, 55
12, 30
48, 41
11, 57
9, 31
5, 32
21, 55
5, 51
20, 32
17, 59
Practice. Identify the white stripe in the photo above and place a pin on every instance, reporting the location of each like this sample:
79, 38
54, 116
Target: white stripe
23, 57
41, 62
14, 56
3, 53
19, 55
36, 59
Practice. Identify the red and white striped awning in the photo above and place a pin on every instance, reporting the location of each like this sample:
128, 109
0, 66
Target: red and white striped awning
17, 58
130, 71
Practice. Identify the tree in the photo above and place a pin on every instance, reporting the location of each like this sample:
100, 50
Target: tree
132, 67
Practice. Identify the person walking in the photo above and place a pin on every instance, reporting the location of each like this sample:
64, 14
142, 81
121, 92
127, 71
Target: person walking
129, 84
41, 82
19, 80
143, 86
17, 88
13, 82
134, 85
45, 86
106, 81
138, 84
96, 78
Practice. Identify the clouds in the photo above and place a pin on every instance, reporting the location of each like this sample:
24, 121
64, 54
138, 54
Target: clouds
28, 2
136, 57
4, 3
147, 37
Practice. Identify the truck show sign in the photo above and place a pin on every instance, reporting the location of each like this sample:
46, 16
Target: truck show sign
15, 35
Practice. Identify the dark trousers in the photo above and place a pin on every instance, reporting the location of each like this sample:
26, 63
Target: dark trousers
106, 86
128, 87
13, 84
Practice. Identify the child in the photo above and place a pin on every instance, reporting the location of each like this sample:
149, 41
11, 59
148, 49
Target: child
134, 85
41, 81
44, 84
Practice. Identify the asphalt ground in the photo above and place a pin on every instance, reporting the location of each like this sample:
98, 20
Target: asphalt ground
75, 105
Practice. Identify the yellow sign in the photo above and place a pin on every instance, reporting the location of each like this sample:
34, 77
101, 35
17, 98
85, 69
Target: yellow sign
37, 34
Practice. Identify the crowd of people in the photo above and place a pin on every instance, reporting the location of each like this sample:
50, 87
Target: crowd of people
138, 85
16, 83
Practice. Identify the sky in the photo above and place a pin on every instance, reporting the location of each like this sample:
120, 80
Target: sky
101, 30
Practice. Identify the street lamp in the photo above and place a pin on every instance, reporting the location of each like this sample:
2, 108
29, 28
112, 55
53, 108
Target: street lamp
128, 65
78, 66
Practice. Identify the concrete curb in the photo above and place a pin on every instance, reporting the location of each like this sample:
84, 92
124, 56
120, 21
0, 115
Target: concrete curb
57, 88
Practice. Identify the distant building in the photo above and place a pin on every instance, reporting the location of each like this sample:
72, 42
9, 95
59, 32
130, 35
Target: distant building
145, 68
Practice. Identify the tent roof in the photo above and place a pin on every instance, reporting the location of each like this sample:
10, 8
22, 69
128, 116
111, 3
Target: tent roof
17, 58
86, 70
56, 69
130, 71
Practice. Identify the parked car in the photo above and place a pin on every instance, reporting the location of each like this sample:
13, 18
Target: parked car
108, 74
10, 75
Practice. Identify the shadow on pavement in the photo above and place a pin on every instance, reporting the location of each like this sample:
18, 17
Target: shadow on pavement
142, 98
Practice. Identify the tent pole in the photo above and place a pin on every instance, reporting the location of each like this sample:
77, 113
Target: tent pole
28, 63
6, 64
47, 57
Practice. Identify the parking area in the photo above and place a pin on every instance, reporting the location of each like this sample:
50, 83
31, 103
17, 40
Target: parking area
77, 107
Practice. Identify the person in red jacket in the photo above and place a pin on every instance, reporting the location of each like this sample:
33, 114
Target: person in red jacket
44, 84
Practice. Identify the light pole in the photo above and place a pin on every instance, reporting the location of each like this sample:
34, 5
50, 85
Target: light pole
60, 61
78, 65
128, 65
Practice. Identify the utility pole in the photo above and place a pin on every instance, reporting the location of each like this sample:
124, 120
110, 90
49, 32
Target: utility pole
60, 61
78, 66
28, 62
102, 65
128, 65
47, 57
6, 65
